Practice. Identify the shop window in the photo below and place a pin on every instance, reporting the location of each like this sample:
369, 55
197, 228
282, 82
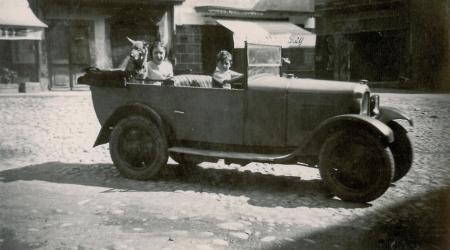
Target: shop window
23, 52
19, 56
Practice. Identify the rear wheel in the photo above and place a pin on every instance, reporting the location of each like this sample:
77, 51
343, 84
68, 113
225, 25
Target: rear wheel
138, 148
402, 151
355, 166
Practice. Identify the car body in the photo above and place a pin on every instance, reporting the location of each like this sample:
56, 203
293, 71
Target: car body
269, 118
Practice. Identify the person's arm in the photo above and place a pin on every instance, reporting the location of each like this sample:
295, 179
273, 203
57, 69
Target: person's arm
235, 77
218, 79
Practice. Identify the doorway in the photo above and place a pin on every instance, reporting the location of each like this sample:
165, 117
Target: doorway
69, 51
214, 39
379, 56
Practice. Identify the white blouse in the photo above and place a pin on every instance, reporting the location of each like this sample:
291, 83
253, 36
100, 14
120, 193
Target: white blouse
160, 72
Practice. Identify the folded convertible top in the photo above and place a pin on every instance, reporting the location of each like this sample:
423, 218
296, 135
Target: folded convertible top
104, 78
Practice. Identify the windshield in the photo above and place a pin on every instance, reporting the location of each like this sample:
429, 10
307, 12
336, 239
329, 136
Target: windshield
263, 59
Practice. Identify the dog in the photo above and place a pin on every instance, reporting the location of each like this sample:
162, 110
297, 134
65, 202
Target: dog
137, 67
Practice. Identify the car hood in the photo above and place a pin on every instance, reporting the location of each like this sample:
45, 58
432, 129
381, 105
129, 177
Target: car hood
274, 83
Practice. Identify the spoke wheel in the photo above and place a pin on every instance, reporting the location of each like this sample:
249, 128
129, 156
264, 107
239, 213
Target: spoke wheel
355, 166
138, 148
402, 150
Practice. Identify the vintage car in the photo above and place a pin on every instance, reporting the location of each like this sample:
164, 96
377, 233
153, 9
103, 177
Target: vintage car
358, 145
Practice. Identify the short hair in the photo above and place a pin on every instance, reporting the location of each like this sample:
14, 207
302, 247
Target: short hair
156, 45
223, 55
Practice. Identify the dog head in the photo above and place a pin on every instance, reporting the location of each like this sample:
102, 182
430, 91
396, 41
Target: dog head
139, 50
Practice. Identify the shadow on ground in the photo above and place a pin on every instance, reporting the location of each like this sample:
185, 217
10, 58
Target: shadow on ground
10, 241
284, 191
419, 223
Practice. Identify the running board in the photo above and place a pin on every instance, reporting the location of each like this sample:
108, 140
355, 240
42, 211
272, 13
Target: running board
232, 155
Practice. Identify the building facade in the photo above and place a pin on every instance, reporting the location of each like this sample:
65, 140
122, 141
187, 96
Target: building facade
390, 42
20, 42
204, 27
92, 33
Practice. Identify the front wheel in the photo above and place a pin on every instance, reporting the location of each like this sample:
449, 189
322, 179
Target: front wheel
138, 148
355, 166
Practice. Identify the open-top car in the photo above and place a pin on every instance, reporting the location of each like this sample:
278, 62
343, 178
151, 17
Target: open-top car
340, 127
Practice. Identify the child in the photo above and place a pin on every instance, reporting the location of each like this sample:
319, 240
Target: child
159, 68
223, 76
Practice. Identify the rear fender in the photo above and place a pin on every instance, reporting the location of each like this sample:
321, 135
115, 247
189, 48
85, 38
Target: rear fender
124, 111
341, 122
388, 114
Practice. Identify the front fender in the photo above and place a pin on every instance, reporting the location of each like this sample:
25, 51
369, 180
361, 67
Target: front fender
350, 121
388, 114
124, 111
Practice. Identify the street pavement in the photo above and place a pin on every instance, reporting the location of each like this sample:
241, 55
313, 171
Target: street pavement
58, 192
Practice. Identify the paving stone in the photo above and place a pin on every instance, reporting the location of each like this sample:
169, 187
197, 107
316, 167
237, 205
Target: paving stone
268, 239
240, 235
204, 247
207, 234
234, 226
117, 211
220, 242
310, 241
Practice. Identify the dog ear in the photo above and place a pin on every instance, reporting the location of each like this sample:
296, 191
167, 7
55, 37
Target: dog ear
131, 40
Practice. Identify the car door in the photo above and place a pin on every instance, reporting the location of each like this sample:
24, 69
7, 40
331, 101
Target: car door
265, 119
208, 114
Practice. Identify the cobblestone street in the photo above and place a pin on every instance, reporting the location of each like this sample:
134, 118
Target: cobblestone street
58, 192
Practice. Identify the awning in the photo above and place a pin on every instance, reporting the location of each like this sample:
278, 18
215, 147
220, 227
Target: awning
281, 33
18, 22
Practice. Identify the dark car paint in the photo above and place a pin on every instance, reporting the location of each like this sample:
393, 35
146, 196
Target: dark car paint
263, 115
189, 112
271, 119
388, 114
292, 108
285, 114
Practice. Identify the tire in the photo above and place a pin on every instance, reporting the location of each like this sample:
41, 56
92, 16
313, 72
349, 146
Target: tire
355, 166
402, 151
186, 160
138, 148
